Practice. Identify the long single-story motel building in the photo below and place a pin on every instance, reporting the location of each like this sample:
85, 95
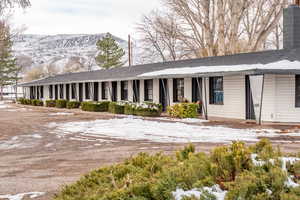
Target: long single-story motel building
262, 85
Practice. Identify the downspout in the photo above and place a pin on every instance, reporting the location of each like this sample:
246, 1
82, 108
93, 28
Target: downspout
261, 100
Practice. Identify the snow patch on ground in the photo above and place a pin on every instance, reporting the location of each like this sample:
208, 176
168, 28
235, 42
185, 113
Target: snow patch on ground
31, 195
186, 120
179, 194
165, 132
3, 105
60, 114
20, 142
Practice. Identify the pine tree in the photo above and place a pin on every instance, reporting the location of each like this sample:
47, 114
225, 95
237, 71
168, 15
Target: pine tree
8, 67
110, 53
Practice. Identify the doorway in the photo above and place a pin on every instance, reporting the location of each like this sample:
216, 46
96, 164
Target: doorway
80, 92
136, 91
163, 93
250, 114
96, 91
68, 91
114, 88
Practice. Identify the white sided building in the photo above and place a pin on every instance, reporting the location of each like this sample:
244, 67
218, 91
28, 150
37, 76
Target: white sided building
263, 85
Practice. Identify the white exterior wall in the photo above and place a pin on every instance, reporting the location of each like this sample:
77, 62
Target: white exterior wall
188, 89
119, 91
285, 110
234, 98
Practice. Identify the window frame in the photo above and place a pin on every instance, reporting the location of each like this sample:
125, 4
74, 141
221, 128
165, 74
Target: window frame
213, 90
148, 91
178, 90
297, 91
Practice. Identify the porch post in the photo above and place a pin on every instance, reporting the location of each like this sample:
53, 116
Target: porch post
261, 99
205, 95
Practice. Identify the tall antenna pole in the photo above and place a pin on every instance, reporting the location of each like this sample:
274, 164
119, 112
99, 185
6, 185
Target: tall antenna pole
129, 50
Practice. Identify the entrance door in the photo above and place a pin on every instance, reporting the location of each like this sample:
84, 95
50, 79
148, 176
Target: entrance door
96, 91
196, 89
136, 91
56, 92
68, 91
80, 92
250, 114
114, 87
163, 93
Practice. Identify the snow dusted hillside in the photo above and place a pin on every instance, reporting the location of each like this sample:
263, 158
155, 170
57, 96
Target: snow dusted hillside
58, 50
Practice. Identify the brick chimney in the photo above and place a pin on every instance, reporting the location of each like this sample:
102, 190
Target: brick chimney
291, 26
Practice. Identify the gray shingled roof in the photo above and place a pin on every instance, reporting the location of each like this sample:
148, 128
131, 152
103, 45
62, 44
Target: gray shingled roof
130, 73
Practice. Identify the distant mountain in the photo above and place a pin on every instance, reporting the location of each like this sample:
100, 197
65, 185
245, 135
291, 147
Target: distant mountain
59, 50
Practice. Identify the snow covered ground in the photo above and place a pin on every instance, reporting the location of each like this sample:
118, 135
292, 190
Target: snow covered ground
20, 142
61, 114
131, 128
31, 195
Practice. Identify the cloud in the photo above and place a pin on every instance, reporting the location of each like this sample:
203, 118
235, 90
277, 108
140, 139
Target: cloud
84, 16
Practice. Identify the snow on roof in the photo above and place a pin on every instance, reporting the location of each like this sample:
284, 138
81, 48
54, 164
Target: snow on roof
280, 65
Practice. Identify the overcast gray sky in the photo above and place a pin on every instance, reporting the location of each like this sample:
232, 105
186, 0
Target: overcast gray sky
84, 16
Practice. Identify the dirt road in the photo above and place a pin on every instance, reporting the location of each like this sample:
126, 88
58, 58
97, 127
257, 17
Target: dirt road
33, 159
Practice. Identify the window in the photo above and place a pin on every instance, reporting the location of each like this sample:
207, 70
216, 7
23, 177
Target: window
216, 93
61, 91
124, 90
136, 91
178, 90
87, 90
104, 87
73, 85
298, 91
50, 91
148, 85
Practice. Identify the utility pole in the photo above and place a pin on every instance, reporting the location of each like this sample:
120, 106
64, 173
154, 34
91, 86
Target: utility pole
129, 51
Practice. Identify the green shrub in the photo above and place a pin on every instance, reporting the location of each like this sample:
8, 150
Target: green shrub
116, 108
95, 106
61, 103
156, 176
146, 109
73, 104
183, 110
37, 102
129, 109
24, 101
51, 103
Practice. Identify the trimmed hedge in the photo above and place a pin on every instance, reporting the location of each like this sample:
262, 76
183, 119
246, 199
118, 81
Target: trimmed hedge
183, 110
73, 104
24, 101
61, 103
51, 103
37, 102
95, 106
146, 109
115, 108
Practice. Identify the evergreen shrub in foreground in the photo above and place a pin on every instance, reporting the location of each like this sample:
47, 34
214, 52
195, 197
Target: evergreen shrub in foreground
155, 177
116, 108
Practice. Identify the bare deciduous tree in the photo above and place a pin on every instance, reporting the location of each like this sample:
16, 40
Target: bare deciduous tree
214, 27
